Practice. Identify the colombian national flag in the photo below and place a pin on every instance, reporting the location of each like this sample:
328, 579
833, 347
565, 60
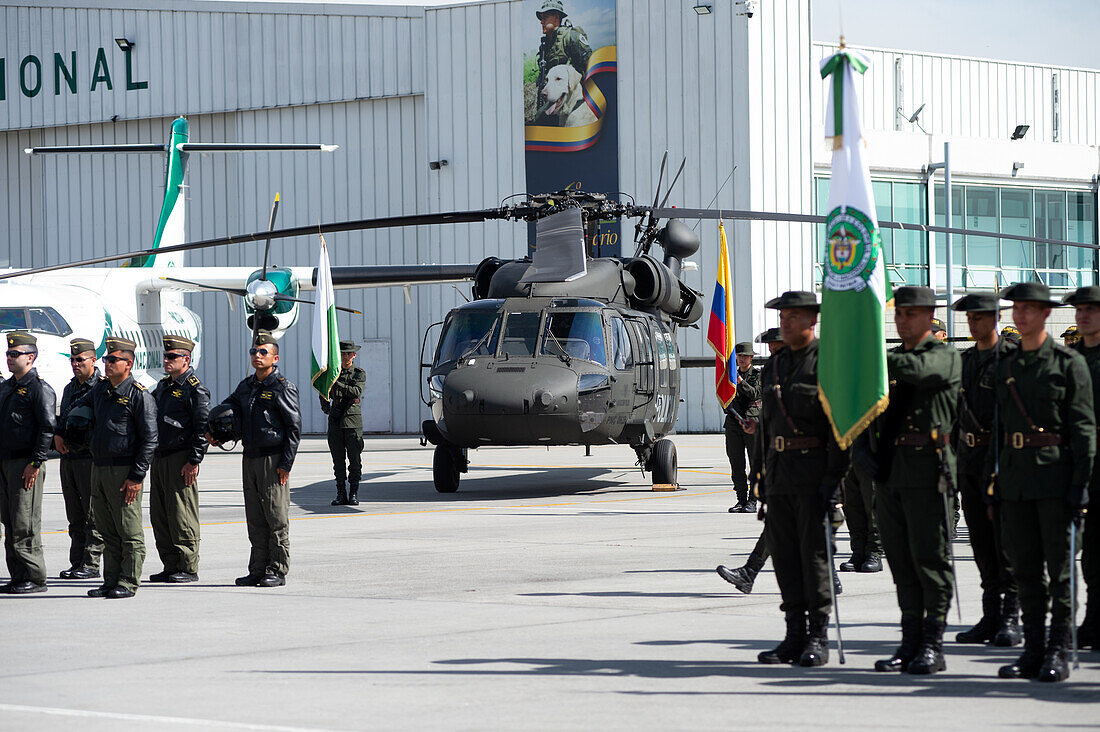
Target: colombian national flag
720, 330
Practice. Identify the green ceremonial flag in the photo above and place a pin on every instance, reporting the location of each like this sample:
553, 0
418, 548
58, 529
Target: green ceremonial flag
852, 378
324, 367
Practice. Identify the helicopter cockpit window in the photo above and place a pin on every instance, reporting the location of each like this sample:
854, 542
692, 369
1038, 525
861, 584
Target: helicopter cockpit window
469, 333
673, 359
521, 332
620, 345
578, 335
13, 319
662, 357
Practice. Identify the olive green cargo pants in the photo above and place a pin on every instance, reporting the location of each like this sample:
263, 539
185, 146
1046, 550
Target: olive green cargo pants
21, 515
1036, 536
120, 526
266, 511
174, 513
85, 543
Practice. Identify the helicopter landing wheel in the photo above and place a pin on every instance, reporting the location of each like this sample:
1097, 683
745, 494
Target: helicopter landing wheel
445, 469
664, 463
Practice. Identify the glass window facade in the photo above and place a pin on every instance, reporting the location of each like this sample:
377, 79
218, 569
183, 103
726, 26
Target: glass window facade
983, 262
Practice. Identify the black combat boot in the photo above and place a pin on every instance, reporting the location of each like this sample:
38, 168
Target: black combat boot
986, 629
750, 506
929, 658
1055, 667
353, 494
789, 649
853, 564
1028, 664
742, 577
873, 563
1008, 633
1088, 633
816, 652
341, 496
910, 642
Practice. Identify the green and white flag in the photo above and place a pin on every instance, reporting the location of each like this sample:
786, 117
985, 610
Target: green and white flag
852, 378
324, 367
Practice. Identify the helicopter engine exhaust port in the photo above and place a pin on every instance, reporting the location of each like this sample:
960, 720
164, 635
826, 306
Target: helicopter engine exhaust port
655, 285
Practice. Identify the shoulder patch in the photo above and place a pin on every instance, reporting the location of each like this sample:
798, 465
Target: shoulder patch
193, 381
139, 387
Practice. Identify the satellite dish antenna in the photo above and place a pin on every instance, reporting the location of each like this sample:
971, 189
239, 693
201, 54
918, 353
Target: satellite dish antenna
913, 117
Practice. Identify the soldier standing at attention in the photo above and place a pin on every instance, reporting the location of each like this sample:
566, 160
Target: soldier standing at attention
183, 405
1000, 621
123, 440
1086, 301
26, 428
85, 543
1044, 397
345, 425
917, 468
738, 440
802, 470
561, 42
271, 428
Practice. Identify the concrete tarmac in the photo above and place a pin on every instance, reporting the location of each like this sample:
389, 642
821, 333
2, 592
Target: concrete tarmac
553, 591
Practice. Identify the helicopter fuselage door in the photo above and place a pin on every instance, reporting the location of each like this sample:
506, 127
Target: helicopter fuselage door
644, 366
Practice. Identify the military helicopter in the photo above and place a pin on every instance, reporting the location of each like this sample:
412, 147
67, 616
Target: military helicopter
558, 348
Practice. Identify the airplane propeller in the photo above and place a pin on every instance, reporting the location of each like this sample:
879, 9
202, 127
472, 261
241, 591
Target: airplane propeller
257, 296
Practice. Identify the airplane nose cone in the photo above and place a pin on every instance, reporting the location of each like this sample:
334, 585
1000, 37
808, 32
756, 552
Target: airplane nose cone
261, 294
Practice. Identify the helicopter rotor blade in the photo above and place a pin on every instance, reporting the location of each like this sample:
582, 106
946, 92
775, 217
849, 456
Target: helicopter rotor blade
383, 275
673, 183
660, 178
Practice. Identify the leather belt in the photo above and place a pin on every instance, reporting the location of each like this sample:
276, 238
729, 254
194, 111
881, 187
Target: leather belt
782, 444
1020, 440
918, 439
975, 439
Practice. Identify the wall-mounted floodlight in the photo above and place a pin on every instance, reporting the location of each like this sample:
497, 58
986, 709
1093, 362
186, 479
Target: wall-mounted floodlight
1015, 168
1020, 131
703, 9
125, 44
437, 164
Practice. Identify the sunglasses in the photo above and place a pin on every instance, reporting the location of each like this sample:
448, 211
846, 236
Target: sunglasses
173, 356
16, 354
261, 351
80, 359
115, 359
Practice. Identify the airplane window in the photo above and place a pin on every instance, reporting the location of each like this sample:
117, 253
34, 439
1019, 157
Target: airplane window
13, 319
580, 335
621, 345
41, 322
469, 333
63, 328
521, 331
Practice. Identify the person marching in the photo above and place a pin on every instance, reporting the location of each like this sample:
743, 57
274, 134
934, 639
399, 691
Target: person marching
183, 405
800, 481
85, 543
345, 425
1045, 403
738, 440
917, 468
1086, 302
1000, 621
26, 429
266, 403
124, 437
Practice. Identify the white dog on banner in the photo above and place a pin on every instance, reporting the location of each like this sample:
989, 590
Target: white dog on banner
565, 97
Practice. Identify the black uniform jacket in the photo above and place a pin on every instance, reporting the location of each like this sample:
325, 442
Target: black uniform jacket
271, 423
26, 417
1092, 358
747, 399
73, 391
792, 411
125, 431
977, 400
183, 406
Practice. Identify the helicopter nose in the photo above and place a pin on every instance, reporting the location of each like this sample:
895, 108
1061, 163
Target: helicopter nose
545, 398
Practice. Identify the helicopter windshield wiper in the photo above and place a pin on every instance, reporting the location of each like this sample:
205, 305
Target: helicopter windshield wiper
481, 342
564, 355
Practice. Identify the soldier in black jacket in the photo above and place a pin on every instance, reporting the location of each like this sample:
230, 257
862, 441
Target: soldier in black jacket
85, 543
802, 469
745, 406
271, 427
26, 428
1000, 621
123, 440
183, 405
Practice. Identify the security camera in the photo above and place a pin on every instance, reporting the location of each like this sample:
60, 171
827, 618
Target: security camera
748, 8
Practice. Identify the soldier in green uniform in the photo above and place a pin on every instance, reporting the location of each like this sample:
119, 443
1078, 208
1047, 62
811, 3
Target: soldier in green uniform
1000, 621
561, 44
26, 429
800, 482
124, 437
345, 425
742, 410
916, 470
1086, 302
1046, 417
271, 428
85, 543
183, 405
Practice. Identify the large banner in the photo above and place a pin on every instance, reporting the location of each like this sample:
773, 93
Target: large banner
570, 103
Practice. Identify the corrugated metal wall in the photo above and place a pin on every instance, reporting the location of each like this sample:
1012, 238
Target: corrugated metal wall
975, 97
